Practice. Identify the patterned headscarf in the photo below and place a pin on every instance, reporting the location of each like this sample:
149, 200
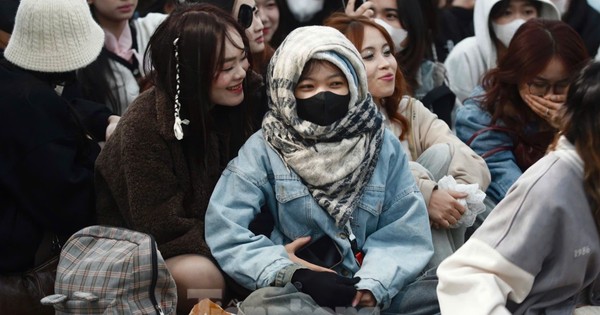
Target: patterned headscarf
335, 162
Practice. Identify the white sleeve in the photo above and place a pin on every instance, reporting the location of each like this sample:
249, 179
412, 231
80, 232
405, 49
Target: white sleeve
477, 279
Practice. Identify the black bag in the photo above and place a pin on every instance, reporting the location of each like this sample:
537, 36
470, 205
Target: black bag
440, 101
20, 294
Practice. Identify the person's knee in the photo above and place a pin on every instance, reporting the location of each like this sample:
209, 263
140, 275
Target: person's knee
436, 159
195, 269
438, 150
197, 277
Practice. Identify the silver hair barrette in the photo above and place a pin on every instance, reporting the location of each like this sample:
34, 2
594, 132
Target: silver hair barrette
178, 121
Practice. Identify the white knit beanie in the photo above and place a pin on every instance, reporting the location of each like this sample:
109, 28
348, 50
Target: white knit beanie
54, 36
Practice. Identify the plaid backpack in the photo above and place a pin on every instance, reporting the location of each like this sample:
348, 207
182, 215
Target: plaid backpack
108, 270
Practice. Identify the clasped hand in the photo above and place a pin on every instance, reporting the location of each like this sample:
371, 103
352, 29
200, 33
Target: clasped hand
444, 209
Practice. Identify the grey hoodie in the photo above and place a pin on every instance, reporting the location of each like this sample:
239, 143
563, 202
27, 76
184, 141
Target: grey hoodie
536, 253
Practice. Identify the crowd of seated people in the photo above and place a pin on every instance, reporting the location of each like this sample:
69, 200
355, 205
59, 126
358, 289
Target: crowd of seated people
284, 151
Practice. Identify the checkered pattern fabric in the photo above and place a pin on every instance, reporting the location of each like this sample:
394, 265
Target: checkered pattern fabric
107, 270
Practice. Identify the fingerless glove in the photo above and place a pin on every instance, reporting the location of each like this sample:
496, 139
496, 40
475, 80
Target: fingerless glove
326, 288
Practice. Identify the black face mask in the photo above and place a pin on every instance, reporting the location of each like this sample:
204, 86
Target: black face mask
323, 108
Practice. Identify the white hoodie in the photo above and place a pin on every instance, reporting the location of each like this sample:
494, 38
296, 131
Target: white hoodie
471, 58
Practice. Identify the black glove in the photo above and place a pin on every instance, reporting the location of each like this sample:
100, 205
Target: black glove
326, 288
263, 223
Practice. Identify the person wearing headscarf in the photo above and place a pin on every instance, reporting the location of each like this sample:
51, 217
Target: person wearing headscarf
324, 166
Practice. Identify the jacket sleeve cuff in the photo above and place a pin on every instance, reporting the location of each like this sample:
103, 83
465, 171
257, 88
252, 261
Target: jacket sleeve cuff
426, 187
379, 292
284, 276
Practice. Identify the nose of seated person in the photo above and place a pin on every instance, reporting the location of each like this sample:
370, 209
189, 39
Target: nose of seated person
550, 86
506, 19
227, 88
386, 12
322, 94
380, 64
269, 15
553, 79
246, 12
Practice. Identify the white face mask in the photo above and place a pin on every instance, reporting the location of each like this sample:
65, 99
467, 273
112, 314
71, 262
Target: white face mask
595, 4
398, 35
505, 32
304, 10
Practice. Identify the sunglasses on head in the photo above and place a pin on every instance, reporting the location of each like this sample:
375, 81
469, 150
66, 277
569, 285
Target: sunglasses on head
245, 15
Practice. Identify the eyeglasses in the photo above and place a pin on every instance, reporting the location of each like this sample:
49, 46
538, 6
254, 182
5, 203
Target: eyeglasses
539, 88
245, 15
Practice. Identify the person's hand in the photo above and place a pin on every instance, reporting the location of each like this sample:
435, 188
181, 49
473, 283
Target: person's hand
367, 9
547, 107
113, 120
327, 289
296, 245
364, 298
444, 209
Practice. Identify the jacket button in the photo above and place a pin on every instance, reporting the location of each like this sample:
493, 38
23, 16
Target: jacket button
343, 235
345, 273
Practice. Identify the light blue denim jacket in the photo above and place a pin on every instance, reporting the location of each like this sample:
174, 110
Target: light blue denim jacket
391, 223
470, 118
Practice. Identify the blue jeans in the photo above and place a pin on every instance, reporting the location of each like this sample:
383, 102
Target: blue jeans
288, 300
435, 161
417, 298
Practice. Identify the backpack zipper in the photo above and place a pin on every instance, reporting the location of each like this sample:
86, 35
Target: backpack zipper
159, 311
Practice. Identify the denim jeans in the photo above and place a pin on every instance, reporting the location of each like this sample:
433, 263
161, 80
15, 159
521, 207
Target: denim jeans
288, 300
417, 298
435, 161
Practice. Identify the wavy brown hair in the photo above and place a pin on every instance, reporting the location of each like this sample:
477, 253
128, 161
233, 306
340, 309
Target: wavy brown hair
581, 126
532, 48
354, 29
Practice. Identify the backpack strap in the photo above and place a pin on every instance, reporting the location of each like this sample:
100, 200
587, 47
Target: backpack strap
489, 128
494, 150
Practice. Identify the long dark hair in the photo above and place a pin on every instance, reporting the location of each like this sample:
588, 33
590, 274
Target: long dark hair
411, 58
202, 30
581, 126
532, 48
354, 29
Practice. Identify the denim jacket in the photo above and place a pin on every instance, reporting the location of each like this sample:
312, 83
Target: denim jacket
391, 223
503, 167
